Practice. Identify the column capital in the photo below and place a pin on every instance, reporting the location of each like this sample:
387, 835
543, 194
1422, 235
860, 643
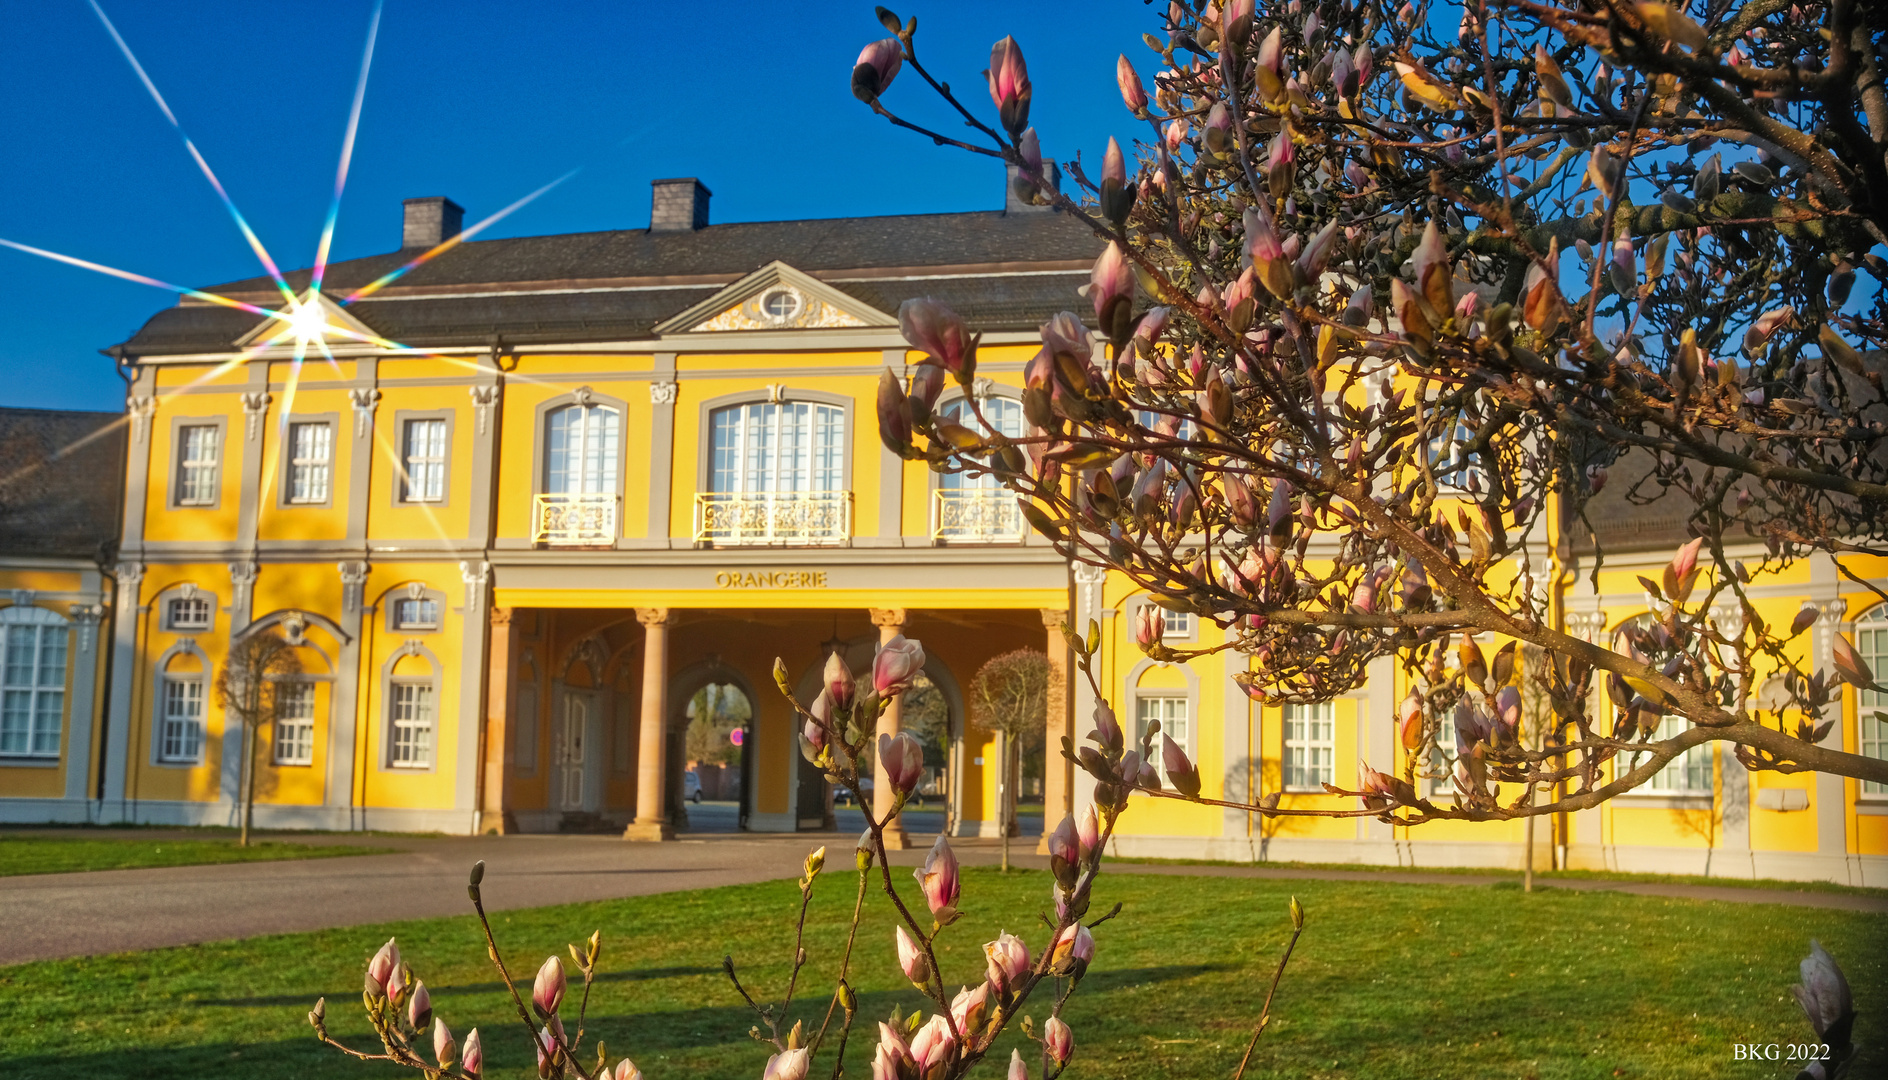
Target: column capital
501, 616
653, 616
1053, 617
884, 617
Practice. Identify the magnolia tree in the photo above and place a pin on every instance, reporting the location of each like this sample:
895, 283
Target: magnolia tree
1385, 287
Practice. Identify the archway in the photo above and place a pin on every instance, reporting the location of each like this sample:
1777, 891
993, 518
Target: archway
717, 695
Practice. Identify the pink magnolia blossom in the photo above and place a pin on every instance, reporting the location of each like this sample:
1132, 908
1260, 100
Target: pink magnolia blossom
444, 1048
385, 962
1009, 84
547, 993
934, 329
877, 65
898, 663
1107, 729
1180, 771
892, 1059
549, 1038
1149, 626
912, 959
625, 1070
472, 1059
1074, 948
1065, 852
1006, 962
931, 1047
1129, 80
1058, 1040
1018, 1070
1111, 291
938, 879
788, 1065
419, 1007
1088, 831
839, 683
971, 1009
902, 755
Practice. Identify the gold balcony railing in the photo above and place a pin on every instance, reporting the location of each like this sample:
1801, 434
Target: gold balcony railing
574, 520
770, 517
977, 515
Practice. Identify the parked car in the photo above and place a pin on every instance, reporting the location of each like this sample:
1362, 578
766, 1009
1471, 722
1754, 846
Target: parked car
691, 786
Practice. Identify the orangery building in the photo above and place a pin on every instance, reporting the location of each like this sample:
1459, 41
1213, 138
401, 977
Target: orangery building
514, 509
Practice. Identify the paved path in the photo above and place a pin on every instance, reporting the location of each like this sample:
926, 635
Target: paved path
53, 916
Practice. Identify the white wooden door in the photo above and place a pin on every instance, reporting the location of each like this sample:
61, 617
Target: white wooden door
570, 758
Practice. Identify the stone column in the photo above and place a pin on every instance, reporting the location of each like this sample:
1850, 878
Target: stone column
501, 680
1055, 767
652, 759
890, 623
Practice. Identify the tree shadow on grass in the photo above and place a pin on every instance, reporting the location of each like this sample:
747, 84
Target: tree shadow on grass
707, 1042
444, 993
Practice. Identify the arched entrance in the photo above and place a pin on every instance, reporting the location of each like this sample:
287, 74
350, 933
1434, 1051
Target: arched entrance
710, 702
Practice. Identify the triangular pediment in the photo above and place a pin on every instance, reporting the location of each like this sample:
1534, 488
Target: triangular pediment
334, 327
776, 297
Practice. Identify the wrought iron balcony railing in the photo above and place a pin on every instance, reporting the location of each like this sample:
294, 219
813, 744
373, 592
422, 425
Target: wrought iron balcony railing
977, 515
574, 520
773, 517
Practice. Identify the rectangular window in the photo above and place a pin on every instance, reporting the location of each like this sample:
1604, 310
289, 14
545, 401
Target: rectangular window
180, 720
310, 446
1442, 760
1871, 640
1687, 774
188, 613
1177, 624
196, 464
412, 726
791, 447
423, 453
1310, 753
421, 614
1171, 711
294, 723
32, 690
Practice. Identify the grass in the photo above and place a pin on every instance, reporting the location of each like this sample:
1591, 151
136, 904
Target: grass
1404, 981
1542, 878
67, 853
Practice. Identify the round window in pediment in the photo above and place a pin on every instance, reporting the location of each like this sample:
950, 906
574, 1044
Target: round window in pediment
780, 306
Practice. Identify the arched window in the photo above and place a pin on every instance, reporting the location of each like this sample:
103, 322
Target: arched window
1687, 774
583, 443
181, 694
32, 681
1871, 641
784, 447
1001, 416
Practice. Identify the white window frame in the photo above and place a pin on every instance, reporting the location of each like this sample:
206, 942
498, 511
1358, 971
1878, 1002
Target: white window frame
180, 733
295, 732
595, 444
1688, 775
412, 739
197, 481
795, 446
1450, 464
423, 469
1871, 719
198, 602
310, 463
1010, 423
403, 623
1313, 773
32, 692
1442, 759
1158, 703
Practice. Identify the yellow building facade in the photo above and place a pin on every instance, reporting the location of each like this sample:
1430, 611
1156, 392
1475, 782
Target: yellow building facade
607, 470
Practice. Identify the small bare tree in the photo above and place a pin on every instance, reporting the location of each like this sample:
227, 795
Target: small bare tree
1010, 696
249, 691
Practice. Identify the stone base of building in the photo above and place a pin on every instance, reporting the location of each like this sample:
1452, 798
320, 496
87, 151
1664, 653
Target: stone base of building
1869, 870
227, 814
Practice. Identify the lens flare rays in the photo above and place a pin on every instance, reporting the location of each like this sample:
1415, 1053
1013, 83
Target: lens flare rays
347, 152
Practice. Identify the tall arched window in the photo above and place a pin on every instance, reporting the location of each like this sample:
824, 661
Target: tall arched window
1871, 641
32, 681
791, 446
776, 475
583, 443
978, 508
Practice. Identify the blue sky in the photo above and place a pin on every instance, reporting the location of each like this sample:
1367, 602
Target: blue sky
479, 100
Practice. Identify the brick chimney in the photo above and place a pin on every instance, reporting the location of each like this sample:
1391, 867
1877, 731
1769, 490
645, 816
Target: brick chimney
680, 205
430, 222
1013, 202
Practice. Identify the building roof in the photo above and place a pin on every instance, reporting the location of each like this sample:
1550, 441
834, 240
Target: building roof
1002, 271
61, 478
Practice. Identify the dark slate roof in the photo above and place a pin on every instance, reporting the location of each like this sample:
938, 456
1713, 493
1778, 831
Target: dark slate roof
1622, 519
674, 266
59, 494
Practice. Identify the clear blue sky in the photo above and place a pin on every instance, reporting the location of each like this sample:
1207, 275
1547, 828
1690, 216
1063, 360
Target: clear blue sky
479, 100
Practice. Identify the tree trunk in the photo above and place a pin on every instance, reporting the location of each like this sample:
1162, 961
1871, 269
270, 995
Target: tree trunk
248, 781
1527, 874
1003, 796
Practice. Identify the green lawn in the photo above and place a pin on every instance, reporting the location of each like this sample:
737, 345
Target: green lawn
1543, 879
1403, 981
64, 853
